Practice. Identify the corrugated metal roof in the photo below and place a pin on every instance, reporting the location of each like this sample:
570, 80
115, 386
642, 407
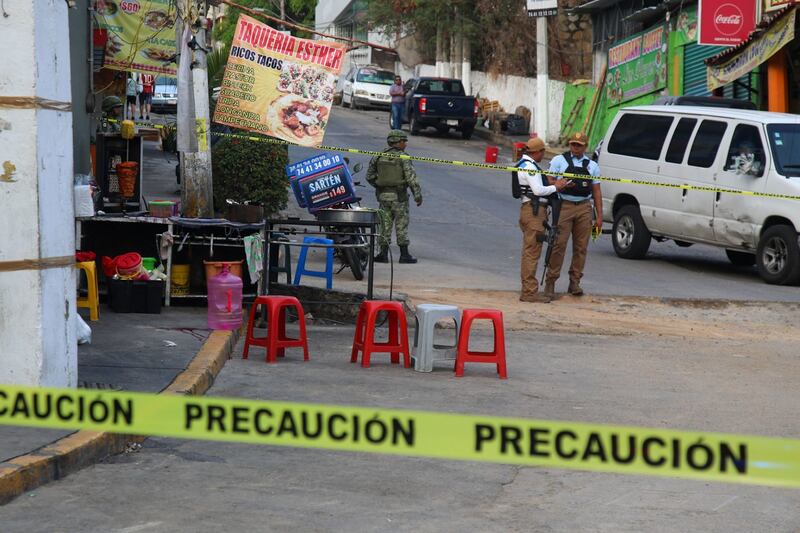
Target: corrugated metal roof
766, 23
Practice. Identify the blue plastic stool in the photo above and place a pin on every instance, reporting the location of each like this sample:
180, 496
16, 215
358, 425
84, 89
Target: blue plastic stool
301, 262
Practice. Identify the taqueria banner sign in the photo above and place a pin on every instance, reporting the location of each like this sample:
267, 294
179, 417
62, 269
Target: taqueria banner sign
141, 34
277, 84
752, 55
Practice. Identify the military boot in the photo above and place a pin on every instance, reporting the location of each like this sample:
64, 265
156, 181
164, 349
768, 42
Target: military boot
575, 288
406, 257
383, 255
550, 289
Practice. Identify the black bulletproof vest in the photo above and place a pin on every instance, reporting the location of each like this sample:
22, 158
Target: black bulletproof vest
581, 187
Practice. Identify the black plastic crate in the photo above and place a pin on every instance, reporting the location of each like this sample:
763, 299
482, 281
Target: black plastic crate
135, 296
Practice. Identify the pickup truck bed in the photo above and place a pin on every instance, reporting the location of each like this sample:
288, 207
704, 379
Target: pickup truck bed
439, 103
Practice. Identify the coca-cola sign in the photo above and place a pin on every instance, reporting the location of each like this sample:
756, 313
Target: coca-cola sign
726, 22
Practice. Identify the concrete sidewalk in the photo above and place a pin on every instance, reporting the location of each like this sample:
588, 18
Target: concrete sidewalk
128, 352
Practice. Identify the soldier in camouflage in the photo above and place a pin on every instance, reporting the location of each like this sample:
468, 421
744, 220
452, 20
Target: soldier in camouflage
392, 177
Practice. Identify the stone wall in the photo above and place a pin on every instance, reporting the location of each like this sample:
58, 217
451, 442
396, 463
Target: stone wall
570, 41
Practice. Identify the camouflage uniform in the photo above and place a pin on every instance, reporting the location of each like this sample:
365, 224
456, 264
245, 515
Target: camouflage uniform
393, 201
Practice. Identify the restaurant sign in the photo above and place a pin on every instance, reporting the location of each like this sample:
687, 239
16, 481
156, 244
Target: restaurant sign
637, 66
752, 55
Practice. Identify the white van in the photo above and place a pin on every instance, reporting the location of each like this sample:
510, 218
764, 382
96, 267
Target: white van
753, 151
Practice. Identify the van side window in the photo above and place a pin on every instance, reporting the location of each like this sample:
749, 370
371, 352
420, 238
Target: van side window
640, 135
680, 140
706, 143
746, 153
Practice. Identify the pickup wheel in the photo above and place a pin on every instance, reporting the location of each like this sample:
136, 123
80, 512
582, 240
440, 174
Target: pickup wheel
414, 126
778, 256
466, 133
630, 236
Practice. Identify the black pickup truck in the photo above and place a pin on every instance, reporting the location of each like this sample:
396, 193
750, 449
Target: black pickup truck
440, 103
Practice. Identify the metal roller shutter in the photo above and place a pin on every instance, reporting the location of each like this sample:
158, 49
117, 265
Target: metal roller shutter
694, 73
694, 70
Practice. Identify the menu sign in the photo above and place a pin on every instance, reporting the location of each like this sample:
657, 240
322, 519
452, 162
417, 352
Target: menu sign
277, 84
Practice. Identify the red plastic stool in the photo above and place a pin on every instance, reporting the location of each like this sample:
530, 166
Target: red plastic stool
276, 340
364, 339
497, 355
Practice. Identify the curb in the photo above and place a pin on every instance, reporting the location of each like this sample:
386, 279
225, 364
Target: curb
83, 448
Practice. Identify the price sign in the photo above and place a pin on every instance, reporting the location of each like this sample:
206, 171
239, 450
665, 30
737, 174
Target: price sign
324, 180
291, 172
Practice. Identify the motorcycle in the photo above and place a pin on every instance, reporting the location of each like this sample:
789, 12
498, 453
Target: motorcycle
352, 245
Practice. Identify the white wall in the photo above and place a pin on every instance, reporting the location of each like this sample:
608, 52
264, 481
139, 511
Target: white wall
37, 307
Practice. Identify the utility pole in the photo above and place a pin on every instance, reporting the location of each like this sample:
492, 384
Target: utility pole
38, 343
197, 190
542, 78
283, 13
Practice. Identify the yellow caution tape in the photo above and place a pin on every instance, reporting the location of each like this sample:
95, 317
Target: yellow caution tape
545, 443
501, 168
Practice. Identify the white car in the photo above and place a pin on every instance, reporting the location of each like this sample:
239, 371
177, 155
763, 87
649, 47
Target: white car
367, 87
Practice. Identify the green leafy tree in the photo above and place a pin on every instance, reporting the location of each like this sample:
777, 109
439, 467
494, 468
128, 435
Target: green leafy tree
297, 11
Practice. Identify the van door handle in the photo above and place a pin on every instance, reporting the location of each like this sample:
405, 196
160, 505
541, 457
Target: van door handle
719, 195
684, 191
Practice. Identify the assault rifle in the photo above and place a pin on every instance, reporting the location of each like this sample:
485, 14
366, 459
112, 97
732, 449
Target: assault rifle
550, 234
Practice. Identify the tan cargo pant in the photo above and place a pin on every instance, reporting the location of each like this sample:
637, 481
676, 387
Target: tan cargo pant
575, 220
531, 226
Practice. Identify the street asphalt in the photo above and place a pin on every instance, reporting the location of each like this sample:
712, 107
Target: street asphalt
466, 237
195, 486
466, 232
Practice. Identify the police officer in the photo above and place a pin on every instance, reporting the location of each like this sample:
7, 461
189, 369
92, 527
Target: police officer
391, 177
575, 219
532, 215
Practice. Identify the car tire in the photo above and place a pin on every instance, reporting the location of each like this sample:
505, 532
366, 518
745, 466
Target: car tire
354, 103
466, 133
778, 256
345, 103
414, 126
629, 234
743, 259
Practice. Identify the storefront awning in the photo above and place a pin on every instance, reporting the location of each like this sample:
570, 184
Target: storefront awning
775, 31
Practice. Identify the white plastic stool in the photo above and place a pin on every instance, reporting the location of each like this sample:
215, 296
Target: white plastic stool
425, 352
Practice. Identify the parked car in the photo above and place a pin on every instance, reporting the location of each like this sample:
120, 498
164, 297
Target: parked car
165, 95
694, 146
440, 103
367, 87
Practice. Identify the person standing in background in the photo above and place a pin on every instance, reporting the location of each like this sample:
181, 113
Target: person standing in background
398, 94
146, 98
130, 95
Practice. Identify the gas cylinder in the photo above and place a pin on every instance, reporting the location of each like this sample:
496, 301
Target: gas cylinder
225, 301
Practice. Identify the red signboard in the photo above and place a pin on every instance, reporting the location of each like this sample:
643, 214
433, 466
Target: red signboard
726, 22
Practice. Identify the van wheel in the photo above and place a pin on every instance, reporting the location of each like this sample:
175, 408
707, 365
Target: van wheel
743, 259
778, 256
630, 236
